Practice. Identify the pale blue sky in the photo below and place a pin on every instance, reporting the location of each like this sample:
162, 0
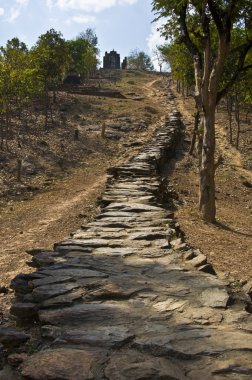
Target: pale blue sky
122, 25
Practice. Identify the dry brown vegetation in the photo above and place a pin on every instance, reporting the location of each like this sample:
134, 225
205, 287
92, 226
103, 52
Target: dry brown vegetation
228, 243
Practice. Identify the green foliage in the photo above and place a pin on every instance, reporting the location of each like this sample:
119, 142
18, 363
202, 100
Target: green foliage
18, 78
139, 60
26, 75
199, 26
89, 36
180, 61
83, 52
50, 56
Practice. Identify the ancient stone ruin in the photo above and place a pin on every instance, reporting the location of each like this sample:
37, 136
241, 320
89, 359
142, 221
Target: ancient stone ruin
124, 63
112, 61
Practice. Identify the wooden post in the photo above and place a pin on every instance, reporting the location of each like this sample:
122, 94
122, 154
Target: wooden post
19, 169
103, 130
76, 135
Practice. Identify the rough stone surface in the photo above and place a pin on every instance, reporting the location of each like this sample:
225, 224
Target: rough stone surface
215, 297
132, 365
125, 297
65, 364
11, 337
15, 360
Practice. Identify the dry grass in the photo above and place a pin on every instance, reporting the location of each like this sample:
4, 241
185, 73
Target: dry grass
228, 243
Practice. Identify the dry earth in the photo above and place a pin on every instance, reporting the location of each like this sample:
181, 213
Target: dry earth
70, 199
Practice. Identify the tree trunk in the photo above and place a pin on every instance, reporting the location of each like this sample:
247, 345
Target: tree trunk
195, 132
207, 169
19, 170
229, 109
46, 101
237, 117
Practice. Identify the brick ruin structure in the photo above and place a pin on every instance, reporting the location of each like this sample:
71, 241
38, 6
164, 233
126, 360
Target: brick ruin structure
112, 61
124, 63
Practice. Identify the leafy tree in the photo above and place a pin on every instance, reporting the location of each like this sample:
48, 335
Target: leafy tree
139, 60
180, 61
83, 52
51, 57
90, 36
90, 61
207, 29
18, 84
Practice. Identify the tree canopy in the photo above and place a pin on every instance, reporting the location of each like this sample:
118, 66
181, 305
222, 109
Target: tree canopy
139, 60
26, 74
83, 52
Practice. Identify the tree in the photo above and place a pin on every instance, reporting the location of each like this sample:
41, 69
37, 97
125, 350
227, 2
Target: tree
90, 36
51, 57
180, 61
159, 57
139, 60
207, 29
83, 52
17, 85
90, 61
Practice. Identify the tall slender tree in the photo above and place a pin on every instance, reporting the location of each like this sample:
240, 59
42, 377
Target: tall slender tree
51, 57
17, 85
139, 60
83, 52
206, 27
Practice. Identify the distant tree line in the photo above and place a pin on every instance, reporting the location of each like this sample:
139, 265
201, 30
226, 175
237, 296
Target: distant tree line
139, 60
28, 75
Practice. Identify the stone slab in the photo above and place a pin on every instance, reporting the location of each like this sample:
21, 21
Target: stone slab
62, 363
133, 365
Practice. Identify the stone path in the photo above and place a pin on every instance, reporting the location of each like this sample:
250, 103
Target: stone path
124, 298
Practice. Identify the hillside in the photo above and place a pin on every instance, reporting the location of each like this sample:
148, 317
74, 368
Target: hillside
228, 243
63, 177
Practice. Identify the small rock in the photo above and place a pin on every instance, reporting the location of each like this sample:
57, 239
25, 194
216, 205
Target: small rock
247, 184
207, 268
248, 288
198, 261
15, 360
215, 297
35, 251
189, 255
24, 310
3, 290
11, 337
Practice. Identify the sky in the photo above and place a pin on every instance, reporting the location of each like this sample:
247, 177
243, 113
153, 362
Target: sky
122, 25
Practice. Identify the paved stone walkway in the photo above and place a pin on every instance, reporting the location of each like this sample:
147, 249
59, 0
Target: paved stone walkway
124, 298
